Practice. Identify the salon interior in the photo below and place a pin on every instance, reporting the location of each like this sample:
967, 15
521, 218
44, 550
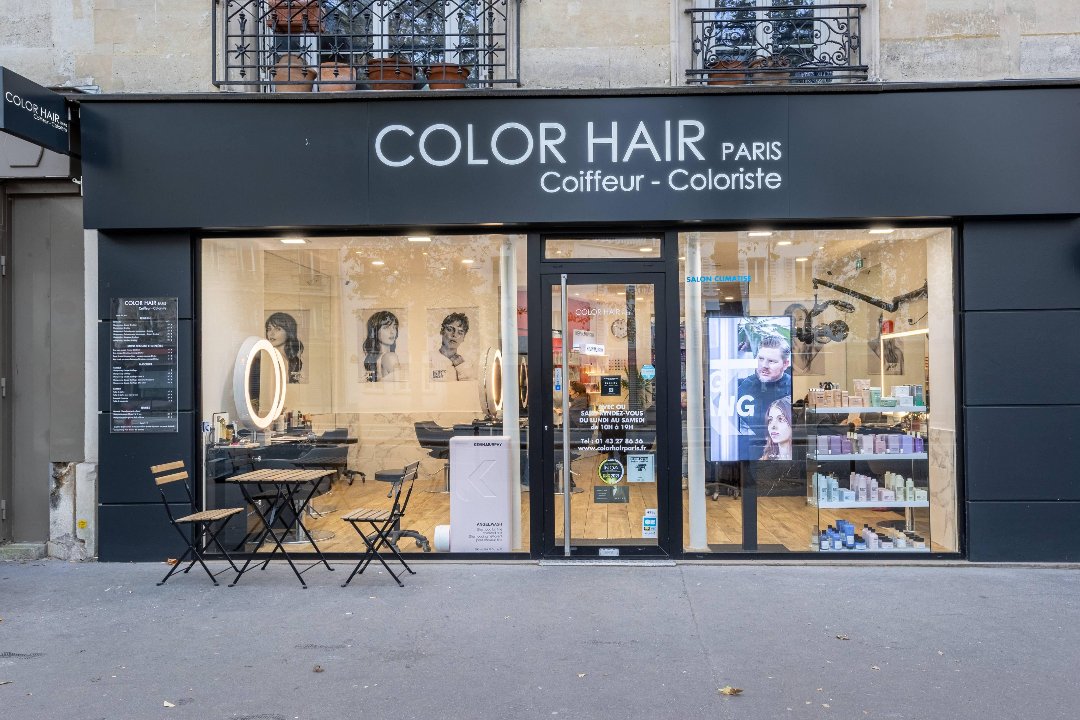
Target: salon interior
363, 354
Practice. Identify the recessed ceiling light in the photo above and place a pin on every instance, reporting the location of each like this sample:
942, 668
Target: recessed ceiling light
802, 259
294, 241
882, 231
783, 242
759, 233
418, 238
820, 247
729, 297
377, 263
467, 261
425, 253
442, 268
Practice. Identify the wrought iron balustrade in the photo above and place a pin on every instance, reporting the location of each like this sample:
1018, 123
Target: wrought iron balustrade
739, 42
334, 45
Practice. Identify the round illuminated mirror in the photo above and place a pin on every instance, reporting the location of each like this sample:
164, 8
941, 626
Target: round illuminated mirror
523, 384
260, 379
491, 383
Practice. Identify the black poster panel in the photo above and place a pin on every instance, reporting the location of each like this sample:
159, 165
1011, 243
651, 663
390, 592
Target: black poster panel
1023, 532
1025, 357
1022, 453
997, 252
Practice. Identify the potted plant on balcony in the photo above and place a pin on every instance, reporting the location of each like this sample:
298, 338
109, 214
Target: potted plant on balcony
729, 70
770, 70
393, 72
294, 16
446, 76
293, 74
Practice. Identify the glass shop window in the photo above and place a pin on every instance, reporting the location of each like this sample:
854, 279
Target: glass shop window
819, 395
388, 348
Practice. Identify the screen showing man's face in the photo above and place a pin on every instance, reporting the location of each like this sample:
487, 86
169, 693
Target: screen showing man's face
771, 364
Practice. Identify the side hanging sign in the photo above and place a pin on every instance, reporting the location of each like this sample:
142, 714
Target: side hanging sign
34, 113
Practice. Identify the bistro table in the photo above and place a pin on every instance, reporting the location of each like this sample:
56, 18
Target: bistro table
287, 485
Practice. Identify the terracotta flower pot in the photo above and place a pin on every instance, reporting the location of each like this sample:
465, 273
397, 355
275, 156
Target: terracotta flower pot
294, 16
293, 69
727, 72
773, 70
447, 76
390, 74
336, 77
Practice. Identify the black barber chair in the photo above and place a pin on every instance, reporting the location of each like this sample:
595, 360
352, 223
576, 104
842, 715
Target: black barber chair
436, 440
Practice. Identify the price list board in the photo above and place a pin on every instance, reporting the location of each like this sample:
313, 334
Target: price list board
143, 365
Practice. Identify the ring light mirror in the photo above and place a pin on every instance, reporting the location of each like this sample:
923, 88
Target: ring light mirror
491, 383
523, 384
260, 369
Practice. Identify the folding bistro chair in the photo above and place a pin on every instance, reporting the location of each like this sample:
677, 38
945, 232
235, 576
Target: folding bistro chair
385, 524
194, 525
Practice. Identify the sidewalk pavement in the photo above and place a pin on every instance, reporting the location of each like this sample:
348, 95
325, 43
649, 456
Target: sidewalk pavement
90, 641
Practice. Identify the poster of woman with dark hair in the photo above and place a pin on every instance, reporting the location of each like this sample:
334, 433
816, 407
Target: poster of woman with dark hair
283, 330
384, 347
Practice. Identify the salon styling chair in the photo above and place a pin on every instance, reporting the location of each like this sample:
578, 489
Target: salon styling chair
436, 440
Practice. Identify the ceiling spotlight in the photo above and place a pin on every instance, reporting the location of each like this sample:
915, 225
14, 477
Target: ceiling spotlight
645, 249
729, 297
759, 233
783, 242
377, 263
802, 259
294, 241
418, 238
442, 268
467, 261
882, 231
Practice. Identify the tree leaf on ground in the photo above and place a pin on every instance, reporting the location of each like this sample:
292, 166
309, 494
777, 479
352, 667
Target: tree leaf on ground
728, 690
842, 637
317, 668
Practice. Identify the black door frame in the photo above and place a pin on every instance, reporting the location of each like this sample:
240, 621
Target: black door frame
545, 274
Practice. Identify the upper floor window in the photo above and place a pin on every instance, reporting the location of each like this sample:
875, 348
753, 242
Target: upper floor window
334, 45
736, 42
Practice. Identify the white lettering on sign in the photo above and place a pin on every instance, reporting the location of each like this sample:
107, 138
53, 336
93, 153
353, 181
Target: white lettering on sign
734, 165
40, 114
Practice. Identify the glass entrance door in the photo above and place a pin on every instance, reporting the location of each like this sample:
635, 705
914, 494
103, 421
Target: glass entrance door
604, 337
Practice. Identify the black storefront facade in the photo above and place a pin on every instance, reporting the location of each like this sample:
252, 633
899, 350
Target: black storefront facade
186, 190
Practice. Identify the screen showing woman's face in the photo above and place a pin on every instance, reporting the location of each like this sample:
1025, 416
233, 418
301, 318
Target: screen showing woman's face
779, 427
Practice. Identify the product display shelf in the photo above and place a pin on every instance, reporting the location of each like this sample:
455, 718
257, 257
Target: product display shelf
868, 456
876, 550
856, 410
841, 505
911, 515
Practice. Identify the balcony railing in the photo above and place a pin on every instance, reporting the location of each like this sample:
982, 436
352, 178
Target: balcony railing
338, 45
739, 42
